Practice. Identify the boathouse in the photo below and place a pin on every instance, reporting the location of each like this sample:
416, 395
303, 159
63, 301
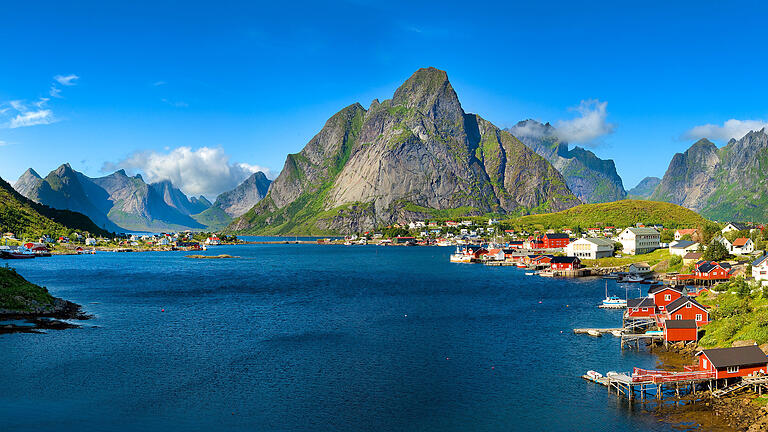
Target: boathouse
686, 308
663, 295
733, 362
711, 271
643, 307
681, 331
565, 263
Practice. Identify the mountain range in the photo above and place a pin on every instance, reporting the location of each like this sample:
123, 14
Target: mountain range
728, 183
30, 220
644, 189
591, 179
119, 202
415, 155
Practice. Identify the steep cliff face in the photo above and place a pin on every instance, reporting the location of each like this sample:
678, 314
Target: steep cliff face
730, 183
28, 183
644, 189
411, 156
116, 202
590, 178
245, 195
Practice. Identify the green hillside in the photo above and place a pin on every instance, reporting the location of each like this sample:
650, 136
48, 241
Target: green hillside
28, 219
619, 214
19, 295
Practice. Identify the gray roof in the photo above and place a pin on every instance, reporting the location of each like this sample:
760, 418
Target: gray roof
680, 324
738, 225
736, 356
682, 244
759, 261
600, 241
643, 231
641, 302
677, 304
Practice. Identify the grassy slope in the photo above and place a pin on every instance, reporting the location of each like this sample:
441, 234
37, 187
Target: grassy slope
619, 214
25, 217
735, 318
16, 293
214, 218
652, 259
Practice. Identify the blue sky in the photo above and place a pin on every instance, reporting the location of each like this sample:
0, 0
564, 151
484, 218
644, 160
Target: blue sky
252, 82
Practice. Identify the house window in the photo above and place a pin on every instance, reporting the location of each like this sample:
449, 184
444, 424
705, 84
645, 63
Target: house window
688, 306
645, 309
678, 317
667, 297
732, 369
703, 363
636, 309
698, 317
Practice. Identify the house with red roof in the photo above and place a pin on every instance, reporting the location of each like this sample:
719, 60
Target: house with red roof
742, 246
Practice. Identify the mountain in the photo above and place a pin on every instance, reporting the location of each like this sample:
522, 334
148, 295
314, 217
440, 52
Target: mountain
402, 159
28, 182
28, 219
245, 195
590, 178
116, 202
728, 183
645, 188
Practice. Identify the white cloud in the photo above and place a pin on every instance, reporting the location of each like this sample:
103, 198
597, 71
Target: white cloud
205, 171
55, 92
730, 129
589, 126
66, 80
175, 104
31, 118
531, 128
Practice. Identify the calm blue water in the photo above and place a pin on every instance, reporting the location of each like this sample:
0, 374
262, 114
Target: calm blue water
314, 338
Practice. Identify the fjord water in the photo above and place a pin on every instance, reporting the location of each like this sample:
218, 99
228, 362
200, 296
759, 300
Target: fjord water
314, 338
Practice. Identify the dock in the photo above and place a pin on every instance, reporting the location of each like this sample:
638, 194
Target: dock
594, 331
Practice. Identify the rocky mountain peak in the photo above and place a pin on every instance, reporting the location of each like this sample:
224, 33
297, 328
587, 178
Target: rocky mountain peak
429, 91
31, 174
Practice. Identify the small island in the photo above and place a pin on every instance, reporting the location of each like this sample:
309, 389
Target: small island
23, 301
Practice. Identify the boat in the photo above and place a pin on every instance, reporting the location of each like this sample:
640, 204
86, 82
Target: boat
632, 279
594, 333
462, 255
611, 276
15, 254
521, 265
594, 375
612, 302
530, 273
616, 333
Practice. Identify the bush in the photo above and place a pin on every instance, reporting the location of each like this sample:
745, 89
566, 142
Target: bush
675, 260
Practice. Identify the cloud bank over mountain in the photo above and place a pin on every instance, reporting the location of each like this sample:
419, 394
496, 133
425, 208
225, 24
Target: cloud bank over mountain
204, 171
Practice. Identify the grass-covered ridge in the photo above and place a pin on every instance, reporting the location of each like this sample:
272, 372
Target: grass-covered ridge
618, 214
19, 295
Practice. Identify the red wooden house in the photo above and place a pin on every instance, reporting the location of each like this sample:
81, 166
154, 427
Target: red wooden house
681, 330
663, 295
712, 271
565, 263
733, 362
642, 307
542, 260
556, 240
686, 308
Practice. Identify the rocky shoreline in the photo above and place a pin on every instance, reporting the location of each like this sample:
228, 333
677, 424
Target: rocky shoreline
744, 412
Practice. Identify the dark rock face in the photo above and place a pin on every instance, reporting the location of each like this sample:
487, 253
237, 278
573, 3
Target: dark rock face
591, 179
730, 183
116, 202
406, 157
245, 195
645, 188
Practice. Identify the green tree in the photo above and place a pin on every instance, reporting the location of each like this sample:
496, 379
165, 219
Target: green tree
716, 252
675, 260
667, 236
